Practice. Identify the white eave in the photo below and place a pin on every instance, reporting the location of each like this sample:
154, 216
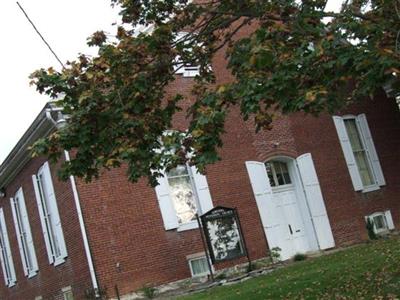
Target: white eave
20, 154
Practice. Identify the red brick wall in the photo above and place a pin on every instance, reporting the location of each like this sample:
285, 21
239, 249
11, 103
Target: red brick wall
50, 280
347, 208
125, 225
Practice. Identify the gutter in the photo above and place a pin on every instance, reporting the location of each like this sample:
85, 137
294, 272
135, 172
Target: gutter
86, 245
55, 116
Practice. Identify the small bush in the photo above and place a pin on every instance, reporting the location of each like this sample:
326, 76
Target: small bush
300, 257
275, 254
91, 294
149, 292
370, 228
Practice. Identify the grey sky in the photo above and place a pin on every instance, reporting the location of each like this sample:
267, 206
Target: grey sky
66, 25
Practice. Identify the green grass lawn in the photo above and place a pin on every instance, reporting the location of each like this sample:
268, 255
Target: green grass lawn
369, 271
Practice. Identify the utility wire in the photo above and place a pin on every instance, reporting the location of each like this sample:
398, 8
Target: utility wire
41, 36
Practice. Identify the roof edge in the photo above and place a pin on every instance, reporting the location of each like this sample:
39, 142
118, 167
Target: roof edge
20, 154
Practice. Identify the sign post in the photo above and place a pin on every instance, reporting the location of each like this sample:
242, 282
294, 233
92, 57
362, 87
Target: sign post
223, 234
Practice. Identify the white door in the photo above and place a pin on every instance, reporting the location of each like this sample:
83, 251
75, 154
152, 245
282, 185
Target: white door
278, 204
295, 239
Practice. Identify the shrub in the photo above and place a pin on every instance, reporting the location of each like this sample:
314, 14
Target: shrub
299, 257
275, 254
149, 292
370, 228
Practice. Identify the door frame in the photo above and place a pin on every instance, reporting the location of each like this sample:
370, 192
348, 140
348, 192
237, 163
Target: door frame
301, 198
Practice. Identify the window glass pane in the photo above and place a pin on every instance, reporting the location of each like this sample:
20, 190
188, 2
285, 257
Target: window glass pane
359, 152
354, 136
269, 172
183, 198
199, 266
285, 172
363, 168
178, 171
282, 172
278, 171
379, 222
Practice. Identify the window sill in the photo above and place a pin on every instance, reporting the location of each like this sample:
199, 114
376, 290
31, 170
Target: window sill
59, 261
32, 274
188, 226
370, 188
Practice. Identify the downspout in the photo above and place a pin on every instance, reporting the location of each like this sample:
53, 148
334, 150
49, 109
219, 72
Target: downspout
83, 230
59, 123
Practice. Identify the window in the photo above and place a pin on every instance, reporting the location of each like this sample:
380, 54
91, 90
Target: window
359, 152
67, 293
181, 68
49, 216
182, 192
382, 221
278, 173
24, 235
199, 266
7, 263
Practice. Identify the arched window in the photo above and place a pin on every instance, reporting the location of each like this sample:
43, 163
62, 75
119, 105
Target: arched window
278, 173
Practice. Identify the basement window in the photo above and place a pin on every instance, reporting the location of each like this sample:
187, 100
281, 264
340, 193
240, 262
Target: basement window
199, 267
67, 293
382, 221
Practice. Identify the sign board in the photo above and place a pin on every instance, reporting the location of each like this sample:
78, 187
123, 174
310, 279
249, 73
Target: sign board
223, 234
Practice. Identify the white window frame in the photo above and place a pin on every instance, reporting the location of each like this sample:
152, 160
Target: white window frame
198, 256
374, 186
278, 187
180, 68
6, 254
191, 224
66, 291
49, 215
387, 217
369, 148
24, 234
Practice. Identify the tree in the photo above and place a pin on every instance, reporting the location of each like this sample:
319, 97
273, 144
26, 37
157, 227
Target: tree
298, 57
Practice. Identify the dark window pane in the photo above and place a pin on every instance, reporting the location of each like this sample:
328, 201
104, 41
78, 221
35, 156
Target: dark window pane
269, 172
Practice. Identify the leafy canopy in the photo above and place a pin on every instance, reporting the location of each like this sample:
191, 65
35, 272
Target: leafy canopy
295, 56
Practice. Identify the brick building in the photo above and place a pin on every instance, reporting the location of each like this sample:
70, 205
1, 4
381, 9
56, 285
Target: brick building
306, 185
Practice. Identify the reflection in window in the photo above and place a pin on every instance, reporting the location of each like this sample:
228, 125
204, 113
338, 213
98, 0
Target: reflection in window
182, 193
278, 173
359, 152
380, 222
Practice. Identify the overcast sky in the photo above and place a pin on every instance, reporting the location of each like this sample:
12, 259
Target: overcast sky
65, 24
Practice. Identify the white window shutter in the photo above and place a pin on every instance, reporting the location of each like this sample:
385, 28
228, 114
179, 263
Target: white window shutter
369, 144
167, 209
3, 267
389, 220
263, 194
315, 201
31, 246
25, 221
202, 190
13, 279
54, 210
19, 234
348, 153
43, 218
